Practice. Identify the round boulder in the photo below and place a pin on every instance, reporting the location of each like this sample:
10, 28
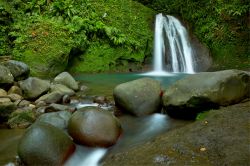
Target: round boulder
19, 70
198, 92
139, 97
44, 144
66, 79
94, 127
34, 87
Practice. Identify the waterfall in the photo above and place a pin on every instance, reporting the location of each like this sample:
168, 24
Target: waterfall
172, 48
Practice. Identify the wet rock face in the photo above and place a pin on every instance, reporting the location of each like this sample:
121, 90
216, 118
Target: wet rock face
19, 70
139, 97
44, 144
202, 58
202, 91
33, 87
93, 126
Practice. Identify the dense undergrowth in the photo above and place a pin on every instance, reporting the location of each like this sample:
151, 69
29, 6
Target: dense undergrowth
83, 35
222, 25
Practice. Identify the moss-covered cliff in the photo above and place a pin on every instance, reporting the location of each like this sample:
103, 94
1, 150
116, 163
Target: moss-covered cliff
82, 36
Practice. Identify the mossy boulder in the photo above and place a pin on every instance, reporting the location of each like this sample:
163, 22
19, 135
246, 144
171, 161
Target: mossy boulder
19, 70
6, 108
201, 91
43, 144
6, 76
93, 126
138, 97
21, 118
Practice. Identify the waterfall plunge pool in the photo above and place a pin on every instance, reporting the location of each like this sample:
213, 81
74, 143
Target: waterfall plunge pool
136, 130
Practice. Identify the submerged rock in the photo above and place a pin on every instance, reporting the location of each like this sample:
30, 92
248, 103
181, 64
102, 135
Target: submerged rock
66, 79
93, 126
44, 144
139, 97
202, 91
19, 70
33, 87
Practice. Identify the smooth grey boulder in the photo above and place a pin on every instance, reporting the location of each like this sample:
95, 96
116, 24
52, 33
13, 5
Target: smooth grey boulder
34, 87
202, 91
53, 97
66, 79
58, 119
93, 126
139, 97
63, 89
19, 70
5, 76
43, 144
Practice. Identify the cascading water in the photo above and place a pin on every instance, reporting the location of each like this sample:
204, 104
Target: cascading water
171, 42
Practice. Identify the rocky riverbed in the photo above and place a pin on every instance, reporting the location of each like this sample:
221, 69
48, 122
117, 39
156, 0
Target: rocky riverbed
51, 111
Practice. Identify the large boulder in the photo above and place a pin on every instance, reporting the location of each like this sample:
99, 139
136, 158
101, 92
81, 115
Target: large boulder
93, 126
66, 79
34, 87
139, 97
44, 144
202, 91
5, 76
19, 70
58, 119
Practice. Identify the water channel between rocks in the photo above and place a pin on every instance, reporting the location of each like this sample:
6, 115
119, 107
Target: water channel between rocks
135, 130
